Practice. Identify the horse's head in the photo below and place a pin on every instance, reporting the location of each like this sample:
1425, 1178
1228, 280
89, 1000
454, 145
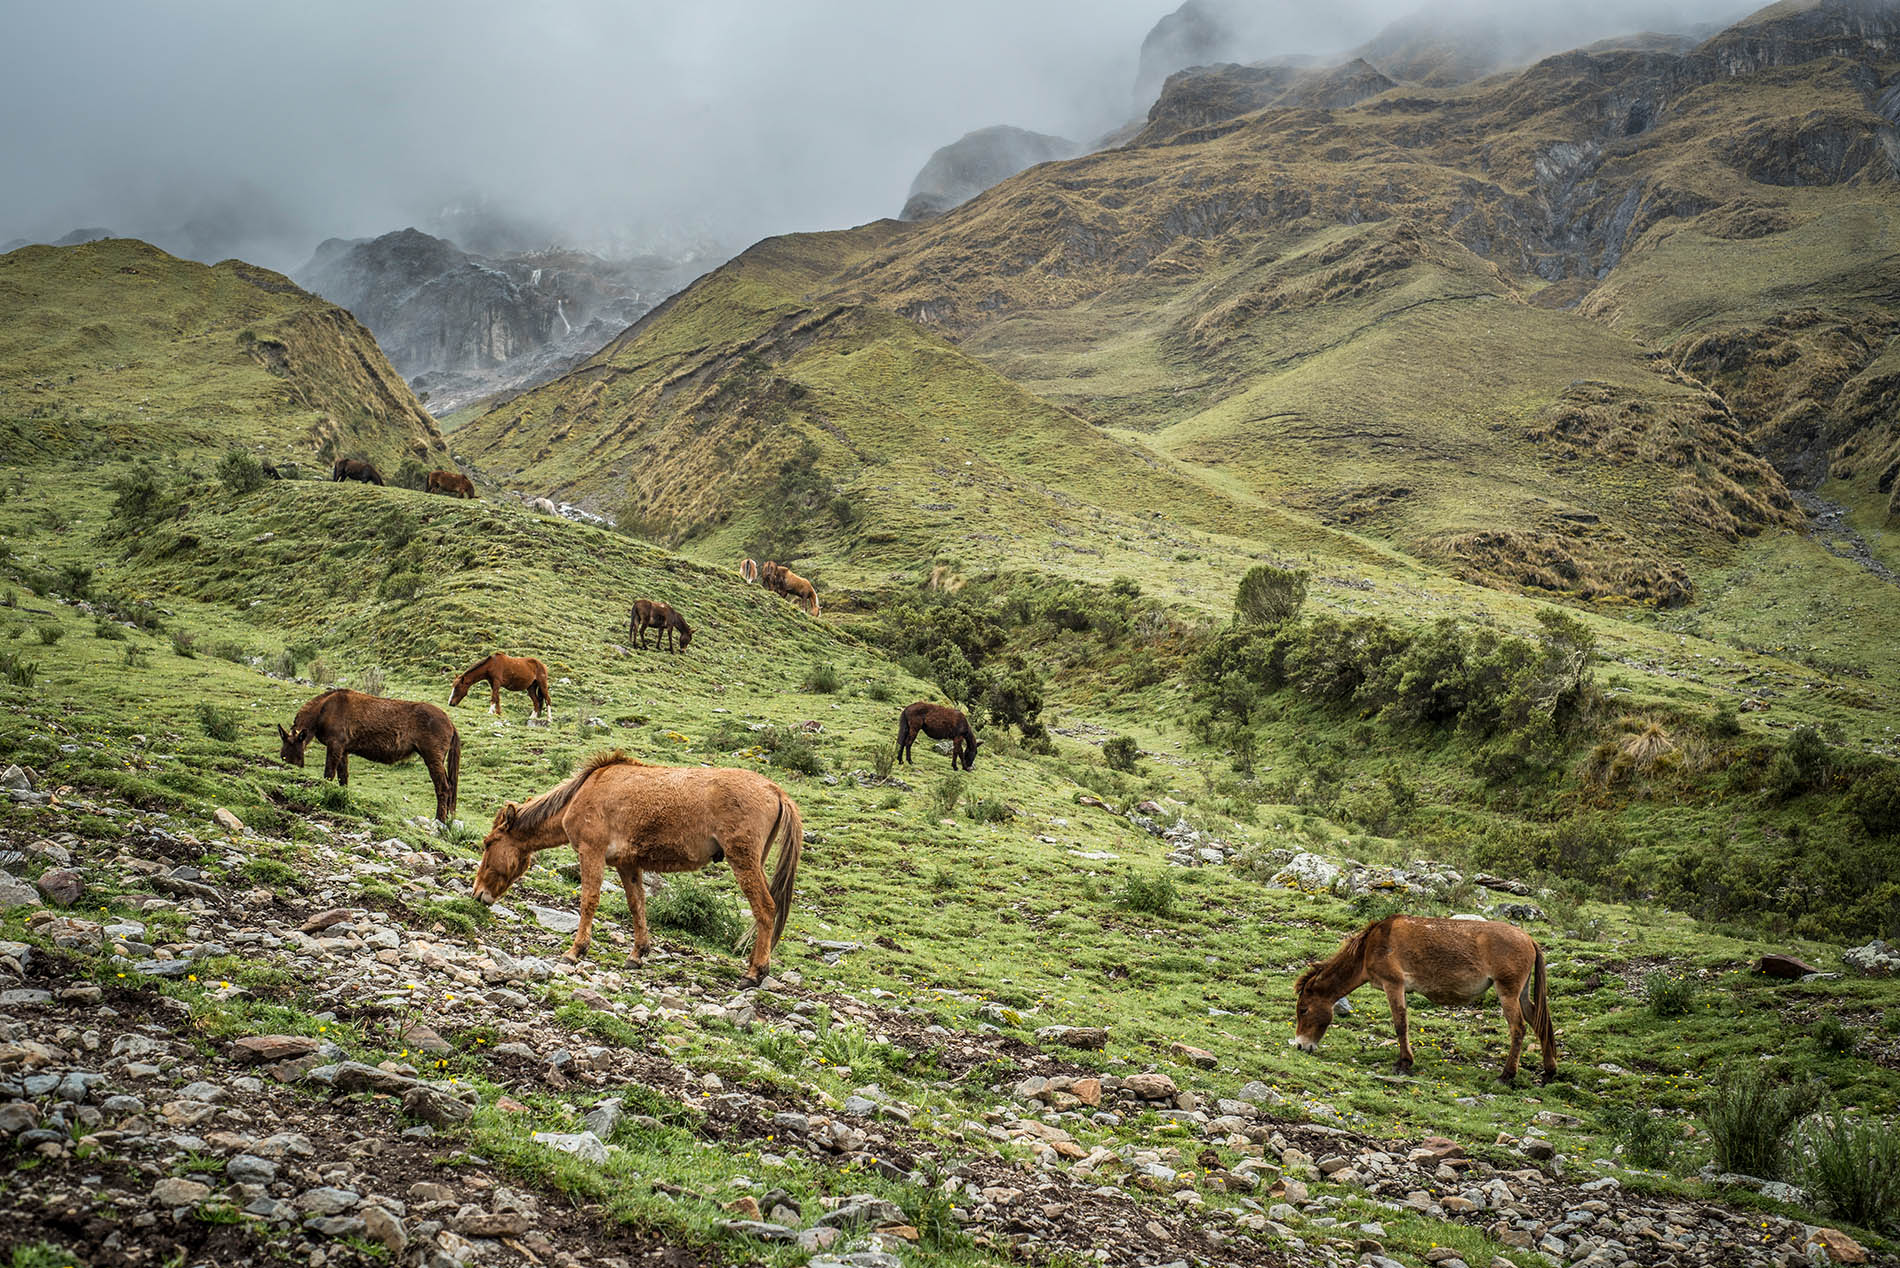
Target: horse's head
686, 635
503, 858
292, 744
459, 690
1313, 1011
969, 750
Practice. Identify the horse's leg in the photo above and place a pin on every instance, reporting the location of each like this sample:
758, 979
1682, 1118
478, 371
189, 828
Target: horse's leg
439, 776
637, 908
1395, 996
750, 873
1509, 999
593, 866
329, 762
494, 695
343, 767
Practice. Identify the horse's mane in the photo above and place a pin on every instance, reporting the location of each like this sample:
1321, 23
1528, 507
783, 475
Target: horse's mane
312, 707
1349, 952
552, 802
476, 668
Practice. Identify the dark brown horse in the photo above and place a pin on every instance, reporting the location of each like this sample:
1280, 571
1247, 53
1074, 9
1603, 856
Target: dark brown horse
939, 722
453, 483
355, 469
649, 614
516, 673
1446, 961
632, 817
348, 722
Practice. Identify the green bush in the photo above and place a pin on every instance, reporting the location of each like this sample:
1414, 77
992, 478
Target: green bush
374, 682
698, 910
1154, 895
1875, 800
1270, 596
1669, 994
793, 751
1852, 1166
1121, 753
823, 680
1832, 1036
1802, 765
74, 580
1749, 1116
184, 643
987, 809
944, 798
412, 474
218, 723
1725, 723
240, 471
883, 758
50, 634
1645, 1139
401, 586
17, 672
140, 502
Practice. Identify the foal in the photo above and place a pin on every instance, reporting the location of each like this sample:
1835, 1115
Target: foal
648, 614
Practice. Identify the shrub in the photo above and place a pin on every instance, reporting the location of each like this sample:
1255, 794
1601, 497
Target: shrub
823, 680
1725, 723
140, 502
1749, 1117
375, 682
219, 724
401, 586
50, 634
74, 580
1121, 753
1152, 894
792, 751
228, 649
698, 910
17, 672
1831, 1036
1668, 994
987, 809
1270, 596
240, 471
1875, 801
412, 474
134, 656
944, 799
319, 671
1801, 765
282, 665
1853, 1167
883, 759
1645, 1139
880, 692
1125, 588
109, 631
184, 643
844, 511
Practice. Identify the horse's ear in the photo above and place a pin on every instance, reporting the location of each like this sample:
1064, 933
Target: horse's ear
283, 734
508, 815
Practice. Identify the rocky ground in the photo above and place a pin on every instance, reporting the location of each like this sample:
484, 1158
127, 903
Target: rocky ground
197, 1066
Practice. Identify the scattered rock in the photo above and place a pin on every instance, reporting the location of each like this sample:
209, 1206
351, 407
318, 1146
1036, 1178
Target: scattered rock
62, 886
583, 1145
15, 892
226, 820
1876, 959
1194, 1056
1090, 1037
1785, 966
1837, 1247
174, 1192
1151, 1087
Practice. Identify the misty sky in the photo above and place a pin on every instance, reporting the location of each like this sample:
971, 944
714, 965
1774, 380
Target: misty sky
720, 120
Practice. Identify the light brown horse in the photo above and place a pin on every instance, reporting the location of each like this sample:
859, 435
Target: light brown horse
649, 614
348, 722
624, 814
516, 673
453, 483
749, 571
1446, 961
939, 722
781, 580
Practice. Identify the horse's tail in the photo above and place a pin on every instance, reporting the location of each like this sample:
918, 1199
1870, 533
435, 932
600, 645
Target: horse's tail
455, 768
633, 615
787, 870
1540, 1014
903, 729
814, 600
538, 692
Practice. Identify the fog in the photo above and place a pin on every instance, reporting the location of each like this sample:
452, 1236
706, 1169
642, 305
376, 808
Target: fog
216, 128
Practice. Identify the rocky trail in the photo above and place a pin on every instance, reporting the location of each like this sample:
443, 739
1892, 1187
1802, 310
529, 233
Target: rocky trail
1827, 524
198, 1068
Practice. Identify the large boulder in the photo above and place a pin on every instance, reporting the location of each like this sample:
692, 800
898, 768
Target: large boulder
1876, 959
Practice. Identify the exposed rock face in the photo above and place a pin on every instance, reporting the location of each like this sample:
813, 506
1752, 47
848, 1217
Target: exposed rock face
1196, 34
1198, 103
963, 169
461, 326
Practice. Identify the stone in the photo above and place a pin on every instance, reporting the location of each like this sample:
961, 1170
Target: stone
15, 892
325, 919
1539, 1149
385, 1229
18, 1116
1307, 872
1835, 1247
226, 820
473, 1222
759, 1230
434, 1106
556, 920
354, 1076
1876, 959
427, 1038
174, 1192
1088, 1037
1194, 1056
1783, 966
261, 1049
583, 1145
250, 1169
604, 1119
327, 1200
860, 1209
62, 886
1088, 1091
1151, 1087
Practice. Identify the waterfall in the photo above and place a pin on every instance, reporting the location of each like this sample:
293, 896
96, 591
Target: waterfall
562, 314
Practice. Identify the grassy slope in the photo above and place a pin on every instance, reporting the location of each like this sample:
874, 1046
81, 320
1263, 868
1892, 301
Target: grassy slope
116, 348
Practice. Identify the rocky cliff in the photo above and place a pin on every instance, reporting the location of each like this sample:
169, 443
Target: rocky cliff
965, 168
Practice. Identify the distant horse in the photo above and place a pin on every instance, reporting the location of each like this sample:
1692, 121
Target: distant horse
270, 471
771, 576
1446, 961
632, 817
355, 469
939, 722
798, 590
648, 614
453, 483
516, 673
348, 722
749, 570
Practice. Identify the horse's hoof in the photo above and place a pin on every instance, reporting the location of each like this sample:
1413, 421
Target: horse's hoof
1546, 1078
573, 957
748, 983
1508, 1080
1403, 1067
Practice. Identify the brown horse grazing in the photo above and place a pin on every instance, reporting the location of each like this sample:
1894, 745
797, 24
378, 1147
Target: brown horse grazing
798, 590
355, 469
348, 722
1446, 961
624, 814
771, 576
453, 483
516, 673
649, 614
939, 722
749, 571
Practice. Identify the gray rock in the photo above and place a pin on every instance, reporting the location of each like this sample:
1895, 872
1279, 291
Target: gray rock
432, 1105
860, 1209
18, 1116
555, 919
250, 1169
327, 1201
1091, 1037
583, 1145
62, 886
604, 1119
759, 1230
385, 1229
15, 892
174, 1192
1307, 872
335, 1225
1876, 959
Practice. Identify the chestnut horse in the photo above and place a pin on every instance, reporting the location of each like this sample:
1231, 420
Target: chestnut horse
1446, 961
624, 814
355, 469
453, 483
348, 722
781, 580
516, 673
939, 722
648, 614
749, 571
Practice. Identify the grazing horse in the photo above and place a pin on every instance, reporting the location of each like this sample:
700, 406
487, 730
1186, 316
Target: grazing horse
355, 469
1446, 961
649, 614
798, 590
633, 817
771, 576
749, 571
453, 483
939, 722
383, 730
516, 673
